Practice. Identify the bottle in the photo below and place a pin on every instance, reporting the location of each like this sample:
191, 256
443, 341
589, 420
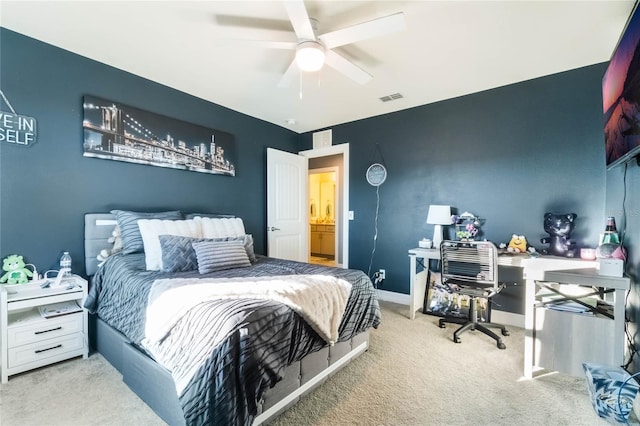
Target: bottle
611, 232
65, 263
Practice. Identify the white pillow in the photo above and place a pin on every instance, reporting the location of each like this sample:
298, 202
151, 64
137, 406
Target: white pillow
221, 227
151, 229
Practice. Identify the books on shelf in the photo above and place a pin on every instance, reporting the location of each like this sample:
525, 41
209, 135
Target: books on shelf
569, 306
58, 309
560, 302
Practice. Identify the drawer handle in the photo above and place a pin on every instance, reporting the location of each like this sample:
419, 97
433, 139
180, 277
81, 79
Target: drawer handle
47, 331
48, 349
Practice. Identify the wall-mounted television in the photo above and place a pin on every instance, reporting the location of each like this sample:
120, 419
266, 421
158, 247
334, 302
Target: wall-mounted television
621, 96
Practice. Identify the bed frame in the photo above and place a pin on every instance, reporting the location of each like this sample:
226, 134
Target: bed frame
154, 384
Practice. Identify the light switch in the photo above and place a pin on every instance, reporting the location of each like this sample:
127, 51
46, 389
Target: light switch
350, 214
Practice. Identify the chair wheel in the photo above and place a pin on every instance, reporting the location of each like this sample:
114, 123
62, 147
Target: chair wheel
502, 345
456, 340
441, 325
505, 332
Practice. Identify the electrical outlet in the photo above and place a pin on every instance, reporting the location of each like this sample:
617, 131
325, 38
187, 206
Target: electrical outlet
382, 274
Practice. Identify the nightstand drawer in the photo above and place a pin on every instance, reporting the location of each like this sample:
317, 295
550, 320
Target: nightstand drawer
45, 329
46, 349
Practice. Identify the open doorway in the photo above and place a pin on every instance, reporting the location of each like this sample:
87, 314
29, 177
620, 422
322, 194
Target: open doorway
334, 158
323, 205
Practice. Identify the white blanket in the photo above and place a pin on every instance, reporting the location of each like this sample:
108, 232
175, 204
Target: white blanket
320, 300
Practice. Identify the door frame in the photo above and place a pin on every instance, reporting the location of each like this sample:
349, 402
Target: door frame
335, 150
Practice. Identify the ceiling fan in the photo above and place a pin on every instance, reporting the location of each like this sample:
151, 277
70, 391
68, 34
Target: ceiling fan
314, 51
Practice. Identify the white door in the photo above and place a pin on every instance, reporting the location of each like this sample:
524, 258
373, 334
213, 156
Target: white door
287, 215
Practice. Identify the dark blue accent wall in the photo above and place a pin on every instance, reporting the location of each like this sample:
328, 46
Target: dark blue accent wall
47, 188
508, 155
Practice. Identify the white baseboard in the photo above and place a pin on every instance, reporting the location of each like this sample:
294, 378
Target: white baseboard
392, 296
501, 317
507, 318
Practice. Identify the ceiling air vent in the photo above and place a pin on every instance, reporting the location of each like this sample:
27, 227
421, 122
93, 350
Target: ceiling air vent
391, 97
322, 139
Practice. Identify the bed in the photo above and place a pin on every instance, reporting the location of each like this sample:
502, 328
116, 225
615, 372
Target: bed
198, 356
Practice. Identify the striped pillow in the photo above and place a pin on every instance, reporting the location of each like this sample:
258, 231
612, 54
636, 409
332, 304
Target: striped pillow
129, 231
178, 254
218, 255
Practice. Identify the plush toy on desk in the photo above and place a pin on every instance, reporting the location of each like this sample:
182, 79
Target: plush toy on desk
116, 240
559, 228
518, 244
16, 273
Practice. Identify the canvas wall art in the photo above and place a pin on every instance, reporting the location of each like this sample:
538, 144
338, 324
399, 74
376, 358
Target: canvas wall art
119, 132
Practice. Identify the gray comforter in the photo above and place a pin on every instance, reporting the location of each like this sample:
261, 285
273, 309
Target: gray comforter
238, 347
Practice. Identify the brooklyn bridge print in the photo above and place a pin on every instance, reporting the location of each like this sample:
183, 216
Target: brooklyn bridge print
119, 132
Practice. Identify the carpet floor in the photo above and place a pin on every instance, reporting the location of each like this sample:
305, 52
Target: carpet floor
412, 374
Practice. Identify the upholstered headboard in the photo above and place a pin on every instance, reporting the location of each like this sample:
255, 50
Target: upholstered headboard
98, 227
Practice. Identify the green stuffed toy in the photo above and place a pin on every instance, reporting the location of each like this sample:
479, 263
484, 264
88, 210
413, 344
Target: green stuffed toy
16, 271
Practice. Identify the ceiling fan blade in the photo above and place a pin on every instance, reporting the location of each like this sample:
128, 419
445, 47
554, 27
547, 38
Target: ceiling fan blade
347, 67
285, 45
300, 20
253, 23
289, 75
366, 30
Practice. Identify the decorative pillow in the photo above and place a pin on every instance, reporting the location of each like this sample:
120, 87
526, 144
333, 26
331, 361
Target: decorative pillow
221, 227
151, 229
129, 232
210, 215
218, 255
178, 254
248, 246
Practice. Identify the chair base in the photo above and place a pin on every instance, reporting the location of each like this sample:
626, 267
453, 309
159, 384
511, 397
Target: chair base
473, 324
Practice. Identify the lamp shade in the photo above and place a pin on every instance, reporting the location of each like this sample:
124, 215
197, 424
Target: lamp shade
310, 56
439, 215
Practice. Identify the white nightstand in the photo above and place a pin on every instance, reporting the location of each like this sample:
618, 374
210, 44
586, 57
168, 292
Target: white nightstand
27, 339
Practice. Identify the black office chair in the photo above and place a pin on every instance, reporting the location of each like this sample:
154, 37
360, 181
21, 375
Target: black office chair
471, 269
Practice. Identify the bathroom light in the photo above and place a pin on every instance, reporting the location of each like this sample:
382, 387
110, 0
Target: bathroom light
310, 56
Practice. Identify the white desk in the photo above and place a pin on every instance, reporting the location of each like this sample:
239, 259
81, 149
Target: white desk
533, 269
562, 341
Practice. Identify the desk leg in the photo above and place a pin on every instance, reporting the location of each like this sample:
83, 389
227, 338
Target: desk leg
412, 286
529, 324
418, 286
618, 318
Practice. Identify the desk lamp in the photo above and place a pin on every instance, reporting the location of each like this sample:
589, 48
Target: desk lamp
438, 215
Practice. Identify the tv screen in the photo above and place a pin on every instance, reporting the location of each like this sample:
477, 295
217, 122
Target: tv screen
621, 96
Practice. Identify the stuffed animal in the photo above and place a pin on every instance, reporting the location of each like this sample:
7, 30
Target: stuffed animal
16, 273
518, 244
559, 228
116, 240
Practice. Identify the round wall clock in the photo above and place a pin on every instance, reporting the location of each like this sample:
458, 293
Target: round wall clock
376, 174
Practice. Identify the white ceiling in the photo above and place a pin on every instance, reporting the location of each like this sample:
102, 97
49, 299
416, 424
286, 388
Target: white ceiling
450, 48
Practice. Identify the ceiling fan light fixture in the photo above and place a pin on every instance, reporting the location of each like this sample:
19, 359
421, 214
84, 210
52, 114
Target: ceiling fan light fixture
310, 56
